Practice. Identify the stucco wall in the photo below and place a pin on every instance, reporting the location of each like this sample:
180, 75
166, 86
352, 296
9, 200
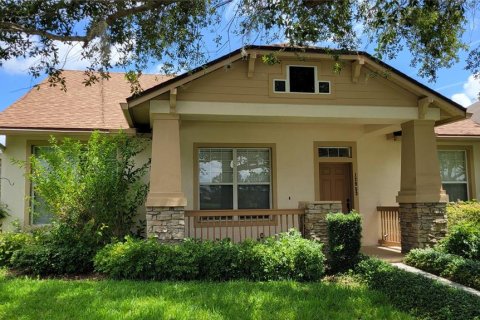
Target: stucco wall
378, 161
13, 195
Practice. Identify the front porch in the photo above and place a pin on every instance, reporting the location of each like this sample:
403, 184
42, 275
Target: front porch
192, 180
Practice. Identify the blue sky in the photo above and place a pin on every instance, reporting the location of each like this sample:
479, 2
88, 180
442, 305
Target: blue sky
455, 83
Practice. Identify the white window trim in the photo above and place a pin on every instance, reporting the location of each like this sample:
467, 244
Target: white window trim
287, 82
235, 182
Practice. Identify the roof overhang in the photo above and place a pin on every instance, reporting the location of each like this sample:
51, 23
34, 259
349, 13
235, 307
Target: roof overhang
49, 131
427, 96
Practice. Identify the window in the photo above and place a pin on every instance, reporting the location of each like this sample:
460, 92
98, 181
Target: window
280, 85
234, 178
301, 79
39, 213
335, 152
453, 172
324, 87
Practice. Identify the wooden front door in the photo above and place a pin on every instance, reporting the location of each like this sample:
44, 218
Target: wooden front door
336, 184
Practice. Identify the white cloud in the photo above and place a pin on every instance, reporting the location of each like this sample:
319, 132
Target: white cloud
462, 99
471, 89
70, 57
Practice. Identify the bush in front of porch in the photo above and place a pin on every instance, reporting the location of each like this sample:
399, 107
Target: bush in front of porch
287, 256
344, 241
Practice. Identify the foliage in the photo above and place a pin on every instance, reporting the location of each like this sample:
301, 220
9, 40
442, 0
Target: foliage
130, 34
463, 212
56, 299
455, 268
423, 297
95, 184
56, 250
462, 240
344, 240
3, 211
11, 242
287, 257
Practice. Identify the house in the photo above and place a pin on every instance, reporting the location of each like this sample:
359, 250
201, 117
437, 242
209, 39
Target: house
244, 149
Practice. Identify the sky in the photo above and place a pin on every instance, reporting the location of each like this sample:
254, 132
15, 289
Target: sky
455, 83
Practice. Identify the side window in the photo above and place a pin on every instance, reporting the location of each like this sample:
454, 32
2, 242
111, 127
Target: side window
454, 173
38, 209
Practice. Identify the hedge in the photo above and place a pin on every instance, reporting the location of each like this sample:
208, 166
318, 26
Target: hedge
11, 242
453, 267
462, 240
287, 256
344, 240
420, 296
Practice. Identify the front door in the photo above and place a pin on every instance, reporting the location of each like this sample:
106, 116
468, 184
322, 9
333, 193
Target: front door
336, 184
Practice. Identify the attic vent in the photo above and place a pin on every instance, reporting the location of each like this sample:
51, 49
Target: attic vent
301, 79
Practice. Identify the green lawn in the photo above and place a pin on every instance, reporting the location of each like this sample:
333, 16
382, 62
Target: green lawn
23, 298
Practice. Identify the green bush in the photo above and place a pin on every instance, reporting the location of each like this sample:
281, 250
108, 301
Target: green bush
463, 212
462, 240
453, 267
344, 240
59, 249
287, 256
423, 297
11, 242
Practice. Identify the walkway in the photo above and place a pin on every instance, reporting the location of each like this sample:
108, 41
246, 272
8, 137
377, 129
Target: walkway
389, 254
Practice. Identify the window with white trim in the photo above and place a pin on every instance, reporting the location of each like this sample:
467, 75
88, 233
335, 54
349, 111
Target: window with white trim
301, 79
38, 208
454, 174
234, 178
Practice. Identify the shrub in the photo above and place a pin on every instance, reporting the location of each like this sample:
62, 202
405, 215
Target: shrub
96, 183
60, 249
11, 242
462, 240
463, 212
416, 294
455, 268
344, 240
287, 257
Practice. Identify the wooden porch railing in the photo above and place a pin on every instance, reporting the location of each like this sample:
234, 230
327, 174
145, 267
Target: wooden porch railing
390, 226
239, 225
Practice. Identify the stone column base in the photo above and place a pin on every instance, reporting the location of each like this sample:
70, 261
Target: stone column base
167, 224
422, 224
315, 223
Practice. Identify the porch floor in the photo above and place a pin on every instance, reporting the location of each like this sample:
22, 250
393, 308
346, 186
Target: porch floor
389, 254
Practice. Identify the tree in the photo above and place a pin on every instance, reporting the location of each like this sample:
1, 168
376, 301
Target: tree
95, 184
173, 31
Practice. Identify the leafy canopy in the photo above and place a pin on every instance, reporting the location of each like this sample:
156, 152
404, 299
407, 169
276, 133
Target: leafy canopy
131, 34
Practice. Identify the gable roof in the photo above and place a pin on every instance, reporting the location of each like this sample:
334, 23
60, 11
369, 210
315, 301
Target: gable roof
466, 127
80, 108
241, 52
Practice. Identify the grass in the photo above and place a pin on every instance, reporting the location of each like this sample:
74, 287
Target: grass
26, 298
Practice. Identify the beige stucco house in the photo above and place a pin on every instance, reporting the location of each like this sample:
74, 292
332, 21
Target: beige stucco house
241, 148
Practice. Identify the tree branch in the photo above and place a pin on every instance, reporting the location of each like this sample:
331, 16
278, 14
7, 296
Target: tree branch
13, 27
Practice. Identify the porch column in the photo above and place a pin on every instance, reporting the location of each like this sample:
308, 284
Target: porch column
421, 198
165, 201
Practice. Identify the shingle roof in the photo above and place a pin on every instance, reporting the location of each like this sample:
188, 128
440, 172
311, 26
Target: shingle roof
80, 107
467, 127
